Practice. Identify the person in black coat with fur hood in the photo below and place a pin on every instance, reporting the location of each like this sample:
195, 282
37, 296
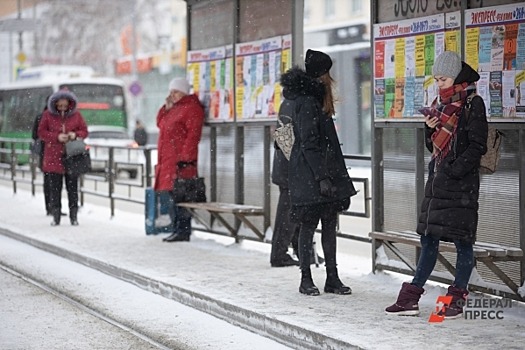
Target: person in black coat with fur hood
449, 211
320, 186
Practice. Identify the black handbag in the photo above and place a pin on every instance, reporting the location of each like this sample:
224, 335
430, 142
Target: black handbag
79, 164
189, 190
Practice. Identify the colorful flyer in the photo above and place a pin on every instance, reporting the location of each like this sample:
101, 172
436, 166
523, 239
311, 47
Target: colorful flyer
260, 64
495, 44
258, 68
206, 72
404, 53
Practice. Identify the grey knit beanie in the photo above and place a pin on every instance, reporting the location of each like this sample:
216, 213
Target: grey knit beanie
448, 64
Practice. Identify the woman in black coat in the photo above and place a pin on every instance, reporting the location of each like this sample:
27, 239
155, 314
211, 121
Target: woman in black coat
319, 183
449, 211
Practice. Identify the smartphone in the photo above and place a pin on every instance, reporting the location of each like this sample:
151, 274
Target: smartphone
426, 111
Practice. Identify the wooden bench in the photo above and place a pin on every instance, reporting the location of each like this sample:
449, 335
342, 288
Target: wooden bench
217, 210
486, 253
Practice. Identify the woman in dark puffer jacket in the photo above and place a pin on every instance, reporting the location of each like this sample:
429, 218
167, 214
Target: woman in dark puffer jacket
449, 211
319, 183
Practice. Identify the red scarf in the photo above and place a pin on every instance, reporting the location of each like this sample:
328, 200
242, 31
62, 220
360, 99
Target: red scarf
448, 111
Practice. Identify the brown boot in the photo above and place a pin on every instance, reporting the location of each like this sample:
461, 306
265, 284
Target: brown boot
407, 301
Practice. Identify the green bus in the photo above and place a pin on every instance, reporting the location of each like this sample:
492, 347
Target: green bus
101, 101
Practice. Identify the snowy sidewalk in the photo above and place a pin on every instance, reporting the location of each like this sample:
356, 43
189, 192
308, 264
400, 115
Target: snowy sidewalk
235, 282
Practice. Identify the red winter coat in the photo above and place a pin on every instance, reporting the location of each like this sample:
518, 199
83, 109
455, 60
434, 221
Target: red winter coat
180, 130
52, 124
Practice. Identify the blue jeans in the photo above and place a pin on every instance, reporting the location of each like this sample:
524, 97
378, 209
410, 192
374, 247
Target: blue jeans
428, 258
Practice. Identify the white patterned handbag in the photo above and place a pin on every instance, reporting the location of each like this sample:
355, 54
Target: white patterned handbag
284, 136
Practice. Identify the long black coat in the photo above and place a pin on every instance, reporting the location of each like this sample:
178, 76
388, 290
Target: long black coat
316, 154
450, 208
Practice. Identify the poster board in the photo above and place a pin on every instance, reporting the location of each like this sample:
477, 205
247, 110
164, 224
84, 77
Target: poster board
495, 47
210, 74
404, 52
259, 65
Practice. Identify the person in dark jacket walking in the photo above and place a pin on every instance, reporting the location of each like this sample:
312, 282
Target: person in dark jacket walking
38, 144
320, 186
140, 135
449, 211
284, 229
61, 123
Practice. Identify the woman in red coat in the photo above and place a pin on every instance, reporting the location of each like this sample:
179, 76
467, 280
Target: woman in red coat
180, 122
60, 123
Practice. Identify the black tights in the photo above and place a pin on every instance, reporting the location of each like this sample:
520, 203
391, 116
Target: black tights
55, 192
328, 216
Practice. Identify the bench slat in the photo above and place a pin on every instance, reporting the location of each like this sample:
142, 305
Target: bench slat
413, 239
225, 208
493, 249
510, 251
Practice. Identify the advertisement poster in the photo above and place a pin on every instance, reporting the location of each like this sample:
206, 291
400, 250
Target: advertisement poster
404, 53
210, 75
453, 31
258, 68
495, 47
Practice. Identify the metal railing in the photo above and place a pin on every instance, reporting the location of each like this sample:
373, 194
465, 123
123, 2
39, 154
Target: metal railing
19, 165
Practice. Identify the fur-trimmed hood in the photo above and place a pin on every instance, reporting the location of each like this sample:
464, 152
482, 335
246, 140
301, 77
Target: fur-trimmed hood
62, 94
296, 82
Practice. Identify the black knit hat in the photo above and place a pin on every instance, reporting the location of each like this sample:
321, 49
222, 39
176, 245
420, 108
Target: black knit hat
317, 63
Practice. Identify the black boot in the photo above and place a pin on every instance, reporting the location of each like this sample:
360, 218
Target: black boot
287, 260
307, 285
73, 216
333, 283
177, 237
56, 218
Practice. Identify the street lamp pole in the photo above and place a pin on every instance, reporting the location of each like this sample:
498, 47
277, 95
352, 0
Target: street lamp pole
20, 42
134, 41
134, 71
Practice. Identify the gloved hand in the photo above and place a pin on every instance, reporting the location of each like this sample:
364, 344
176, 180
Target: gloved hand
182, 165
325, 187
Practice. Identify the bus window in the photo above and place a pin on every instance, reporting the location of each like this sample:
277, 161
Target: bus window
100, 104
19, 109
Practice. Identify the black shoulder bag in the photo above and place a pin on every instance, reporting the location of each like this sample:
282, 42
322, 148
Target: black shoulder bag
189, 190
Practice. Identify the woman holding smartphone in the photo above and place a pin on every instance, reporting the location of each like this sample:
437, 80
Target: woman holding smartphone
449, 211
